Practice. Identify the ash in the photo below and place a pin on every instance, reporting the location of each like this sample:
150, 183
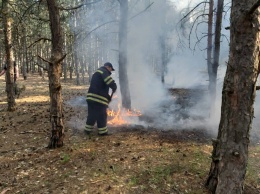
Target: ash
78, 101
183, 109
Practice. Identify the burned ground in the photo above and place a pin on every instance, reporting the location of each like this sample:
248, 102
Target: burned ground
133, 159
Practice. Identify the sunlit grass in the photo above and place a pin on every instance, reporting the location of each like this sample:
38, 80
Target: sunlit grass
253, 166
185, 166
34, 99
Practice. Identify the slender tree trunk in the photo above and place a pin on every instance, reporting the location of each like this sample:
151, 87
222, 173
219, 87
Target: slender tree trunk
56, 109
7, 24
24, 62
162, 39
216, 52
209, 48
230, 150
76, 60
27, 61
76, 48
123, 77
71, 64
163, 58
65, 71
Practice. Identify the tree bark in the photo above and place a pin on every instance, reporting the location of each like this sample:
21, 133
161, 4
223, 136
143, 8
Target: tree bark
209, 47
24, 56
163, 58
216, 53
123, 76
7, 24
230, 150
56, 109
76, 60
162, 39
76, 48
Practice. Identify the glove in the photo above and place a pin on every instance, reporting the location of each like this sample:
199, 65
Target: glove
109, 98
114, 88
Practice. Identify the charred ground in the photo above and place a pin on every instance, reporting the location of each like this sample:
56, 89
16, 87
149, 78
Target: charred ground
133, 159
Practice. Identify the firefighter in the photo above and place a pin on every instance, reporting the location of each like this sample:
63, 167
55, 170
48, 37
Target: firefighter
98, 99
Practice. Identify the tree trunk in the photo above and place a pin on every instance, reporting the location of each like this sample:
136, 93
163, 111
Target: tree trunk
209, 47
76, 48
24, 70
213, 76
230, 150
163, 58
56, 109
7, 24
76, 64
71, 66
65, 71
162, 39
123, 77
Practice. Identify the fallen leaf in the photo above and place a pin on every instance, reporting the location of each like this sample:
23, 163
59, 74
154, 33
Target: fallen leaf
4, 191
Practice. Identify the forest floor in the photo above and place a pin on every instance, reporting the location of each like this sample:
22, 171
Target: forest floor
133, 159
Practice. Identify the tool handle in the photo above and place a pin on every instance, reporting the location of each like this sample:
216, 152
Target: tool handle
112, 95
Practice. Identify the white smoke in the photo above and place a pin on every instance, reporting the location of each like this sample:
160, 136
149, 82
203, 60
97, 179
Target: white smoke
186, 68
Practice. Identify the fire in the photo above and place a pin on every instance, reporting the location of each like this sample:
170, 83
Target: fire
120, 116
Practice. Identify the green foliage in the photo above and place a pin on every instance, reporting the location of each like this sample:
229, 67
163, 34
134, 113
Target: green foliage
65, 158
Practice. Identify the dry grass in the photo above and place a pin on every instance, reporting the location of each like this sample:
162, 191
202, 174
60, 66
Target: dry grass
131, 160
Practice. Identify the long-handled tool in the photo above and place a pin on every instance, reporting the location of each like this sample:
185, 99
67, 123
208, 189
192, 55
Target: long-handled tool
112, 95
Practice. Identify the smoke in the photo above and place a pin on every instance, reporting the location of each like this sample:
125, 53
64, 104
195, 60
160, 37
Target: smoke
144, 46
77, 119
79, 101
186, 67
186, 70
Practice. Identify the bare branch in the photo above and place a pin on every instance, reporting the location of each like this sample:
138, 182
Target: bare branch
61, 59
254, 7
225, 37
194, 24
193, 15
142, 11
44, 39
192, 10
229, 7
45, 60
199, 42
79, 6
196, 29
45, 69
113, 21
98, 27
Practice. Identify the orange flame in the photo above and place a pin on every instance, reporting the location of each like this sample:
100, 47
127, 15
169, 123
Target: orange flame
120, 116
